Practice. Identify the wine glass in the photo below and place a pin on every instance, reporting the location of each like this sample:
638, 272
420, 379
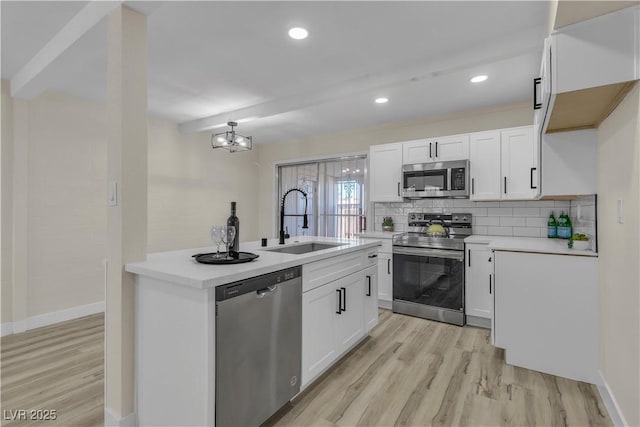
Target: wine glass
231, 235
218, 234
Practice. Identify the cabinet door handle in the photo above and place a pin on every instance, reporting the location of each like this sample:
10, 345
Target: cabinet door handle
505, 185
373, 256
490, 284
339, 301
532, 187
369, 286
388, 266
344, 299
436, 149
469, 256
473, 186
430, 155
398, 189
536, 104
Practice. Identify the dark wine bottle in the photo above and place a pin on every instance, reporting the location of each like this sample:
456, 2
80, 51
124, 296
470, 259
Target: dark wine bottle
234, 221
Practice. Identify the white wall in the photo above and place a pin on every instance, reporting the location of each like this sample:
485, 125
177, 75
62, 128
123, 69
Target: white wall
190, 187
330, 145
619, 274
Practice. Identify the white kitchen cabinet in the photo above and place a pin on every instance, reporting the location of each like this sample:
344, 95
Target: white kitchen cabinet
439, 149
504, 164
385, 172
385, 279
417, 151
453, 147
478, 287
484, 156
546, 312
518, 164
587, 69
319, 343
569, 163
350, 322
337, 314
371, 298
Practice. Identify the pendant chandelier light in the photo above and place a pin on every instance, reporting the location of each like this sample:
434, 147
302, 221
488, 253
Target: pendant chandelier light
231, 140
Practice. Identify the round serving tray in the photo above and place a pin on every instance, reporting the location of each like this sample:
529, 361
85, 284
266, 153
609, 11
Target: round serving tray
211, 258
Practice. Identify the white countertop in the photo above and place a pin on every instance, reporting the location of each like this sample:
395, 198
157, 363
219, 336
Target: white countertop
528, 244
180, 268
379, 234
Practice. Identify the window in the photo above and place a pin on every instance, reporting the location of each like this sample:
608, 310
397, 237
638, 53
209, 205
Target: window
336, 196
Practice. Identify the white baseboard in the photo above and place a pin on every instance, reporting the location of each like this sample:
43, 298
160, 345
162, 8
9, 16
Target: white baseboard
110, 420
384, 304
52, 318
610, 402
6, 329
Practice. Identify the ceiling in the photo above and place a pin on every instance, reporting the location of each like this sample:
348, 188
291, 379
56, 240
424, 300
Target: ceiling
234, 60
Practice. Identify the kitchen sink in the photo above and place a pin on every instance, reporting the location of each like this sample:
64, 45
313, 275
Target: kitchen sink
304, 248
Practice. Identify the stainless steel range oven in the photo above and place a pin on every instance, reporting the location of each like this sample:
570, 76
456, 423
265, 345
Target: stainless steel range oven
428, 267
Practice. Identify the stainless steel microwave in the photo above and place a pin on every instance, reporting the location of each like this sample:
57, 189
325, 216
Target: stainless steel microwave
440, 179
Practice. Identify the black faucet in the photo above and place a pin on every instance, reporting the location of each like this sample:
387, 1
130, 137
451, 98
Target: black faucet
305, 220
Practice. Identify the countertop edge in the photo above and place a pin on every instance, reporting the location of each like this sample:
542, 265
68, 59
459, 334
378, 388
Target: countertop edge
524, 244
139, 268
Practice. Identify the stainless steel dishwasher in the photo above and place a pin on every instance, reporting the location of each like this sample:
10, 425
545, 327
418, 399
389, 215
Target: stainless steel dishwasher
258, 346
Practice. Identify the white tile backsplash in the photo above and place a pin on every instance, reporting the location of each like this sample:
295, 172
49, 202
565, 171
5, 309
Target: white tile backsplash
500, 211
508, 218
512, 221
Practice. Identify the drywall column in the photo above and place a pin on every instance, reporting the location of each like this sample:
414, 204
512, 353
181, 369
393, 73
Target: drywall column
127, 220
20, 265
6, 233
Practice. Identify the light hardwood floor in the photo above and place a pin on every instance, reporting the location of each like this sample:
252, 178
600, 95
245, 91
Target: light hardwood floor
58, 367
414, 372
410, 372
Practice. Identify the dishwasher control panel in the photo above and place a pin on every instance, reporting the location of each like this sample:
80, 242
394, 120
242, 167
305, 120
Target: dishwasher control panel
258, 283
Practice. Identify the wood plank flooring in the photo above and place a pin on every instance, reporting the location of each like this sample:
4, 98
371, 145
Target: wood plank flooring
414, 372
58, 367
410, 372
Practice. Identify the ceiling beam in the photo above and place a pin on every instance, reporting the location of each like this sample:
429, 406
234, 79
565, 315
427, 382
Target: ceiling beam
507, 47
29, 81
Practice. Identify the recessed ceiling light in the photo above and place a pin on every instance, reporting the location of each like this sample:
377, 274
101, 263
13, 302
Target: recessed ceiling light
298, 33
381, 100
478, 79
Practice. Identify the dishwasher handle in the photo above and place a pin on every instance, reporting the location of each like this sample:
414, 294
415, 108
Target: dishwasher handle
261, 293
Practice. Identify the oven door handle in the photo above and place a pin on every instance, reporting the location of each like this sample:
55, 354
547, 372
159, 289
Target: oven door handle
435, 253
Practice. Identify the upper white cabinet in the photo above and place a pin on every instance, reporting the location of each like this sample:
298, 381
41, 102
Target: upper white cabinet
484, 162
504, 164
569, 163
385, 172
587, 68
418, 151
519, 164
454, 147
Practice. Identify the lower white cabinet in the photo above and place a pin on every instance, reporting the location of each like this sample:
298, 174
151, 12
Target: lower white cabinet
385, 279
478, 286
371, 298
335, 317
546, 313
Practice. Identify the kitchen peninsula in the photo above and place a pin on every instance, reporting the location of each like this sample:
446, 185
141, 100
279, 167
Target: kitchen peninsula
176, 321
